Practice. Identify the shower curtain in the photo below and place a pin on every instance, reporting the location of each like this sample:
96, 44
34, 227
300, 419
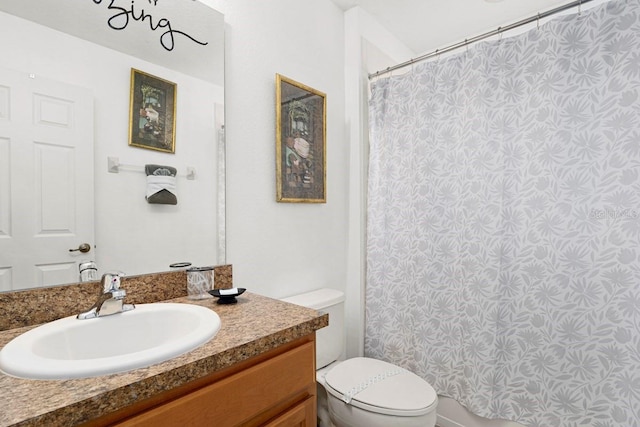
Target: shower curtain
503, 242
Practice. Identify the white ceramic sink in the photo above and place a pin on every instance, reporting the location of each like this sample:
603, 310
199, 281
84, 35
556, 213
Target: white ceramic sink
72, 348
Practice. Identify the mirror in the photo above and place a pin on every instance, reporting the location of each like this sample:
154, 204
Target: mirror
91, 47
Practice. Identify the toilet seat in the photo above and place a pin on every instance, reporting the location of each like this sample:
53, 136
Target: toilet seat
380, 387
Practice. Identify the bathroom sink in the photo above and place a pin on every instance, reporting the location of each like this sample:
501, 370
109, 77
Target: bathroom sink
72, 348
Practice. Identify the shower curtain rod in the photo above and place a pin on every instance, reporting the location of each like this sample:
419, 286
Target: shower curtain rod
466, 42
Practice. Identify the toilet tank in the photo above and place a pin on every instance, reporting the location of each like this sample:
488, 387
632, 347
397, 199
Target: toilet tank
329, 340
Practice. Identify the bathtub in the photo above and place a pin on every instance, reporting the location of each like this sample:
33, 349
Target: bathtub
453, 414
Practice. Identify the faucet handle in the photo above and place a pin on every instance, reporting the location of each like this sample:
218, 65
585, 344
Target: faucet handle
119, 294
111, 281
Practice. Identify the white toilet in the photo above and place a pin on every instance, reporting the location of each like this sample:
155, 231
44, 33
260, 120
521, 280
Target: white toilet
362, 392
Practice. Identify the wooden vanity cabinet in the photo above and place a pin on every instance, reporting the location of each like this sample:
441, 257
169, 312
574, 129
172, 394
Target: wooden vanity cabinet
275, 389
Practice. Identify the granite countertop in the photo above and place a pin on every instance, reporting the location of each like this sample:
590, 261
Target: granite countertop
254, 325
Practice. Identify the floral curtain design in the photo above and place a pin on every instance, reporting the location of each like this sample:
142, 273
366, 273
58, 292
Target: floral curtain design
503, 252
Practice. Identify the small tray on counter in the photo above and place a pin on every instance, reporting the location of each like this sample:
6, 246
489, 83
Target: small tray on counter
227, 296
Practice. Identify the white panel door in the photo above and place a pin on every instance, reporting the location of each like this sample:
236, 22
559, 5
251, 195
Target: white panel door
46, 180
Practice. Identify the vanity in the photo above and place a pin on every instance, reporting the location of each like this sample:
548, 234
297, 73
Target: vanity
258, 370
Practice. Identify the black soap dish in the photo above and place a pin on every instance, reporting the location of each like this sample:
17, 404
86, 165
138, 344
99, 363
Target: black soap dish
227, 296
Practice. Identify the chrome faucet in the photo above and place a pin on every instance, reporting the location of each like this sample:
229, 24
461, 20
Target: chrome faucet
110, 301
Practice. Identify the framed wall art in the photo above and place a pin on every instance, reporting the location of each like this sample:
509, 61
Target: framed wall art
300, 142
152, 112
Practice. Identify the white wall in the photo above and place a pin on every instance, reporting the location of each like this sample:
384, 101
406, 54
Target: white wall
132, 235
280, 249
367, 45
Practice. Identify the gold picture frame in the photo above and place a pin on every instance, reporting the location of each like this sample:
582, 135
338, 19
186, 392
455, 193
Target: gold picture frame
152, 112
301, 113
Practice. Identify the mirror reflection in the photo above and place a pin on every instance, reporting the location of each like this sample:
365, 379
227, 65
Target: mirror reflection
69, 179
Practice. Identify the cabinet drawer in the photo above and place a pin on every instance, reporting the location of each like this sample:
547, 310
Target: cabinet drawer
301, 415
238, 398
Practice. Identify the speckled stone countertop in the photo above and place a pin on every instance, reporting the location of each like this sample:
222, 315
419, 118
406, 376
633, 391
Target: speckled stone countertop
40, 305
254, 325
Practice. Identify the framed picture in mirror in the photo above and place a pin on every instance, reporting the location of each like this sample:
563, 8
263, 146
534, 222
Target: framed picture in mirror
152, 112
300, 142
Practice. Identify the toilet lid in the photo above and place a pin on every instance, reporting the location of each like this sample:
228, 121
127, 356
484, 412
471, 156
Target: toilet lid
381, 387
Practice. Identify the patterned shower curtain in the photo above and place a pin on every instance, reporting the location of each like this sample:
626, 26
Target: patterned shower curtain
503, 252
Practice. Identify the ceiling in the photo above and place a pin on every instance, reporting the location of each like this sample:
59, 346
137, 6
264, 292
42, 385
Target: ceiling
426, 25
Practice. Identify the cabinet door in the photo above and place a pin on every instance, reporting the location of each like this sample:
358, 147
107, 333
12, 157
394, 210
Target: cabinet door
240, 398
301, 415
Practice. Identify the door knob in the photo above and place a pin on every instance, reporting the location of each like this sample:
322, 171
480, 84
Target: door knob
84, 248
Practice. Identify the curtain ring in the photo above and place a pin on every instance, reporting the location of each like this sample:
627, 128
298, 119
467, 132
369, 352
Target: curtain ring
466, 46
538, 21
580, 8
437, 55
499, 34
